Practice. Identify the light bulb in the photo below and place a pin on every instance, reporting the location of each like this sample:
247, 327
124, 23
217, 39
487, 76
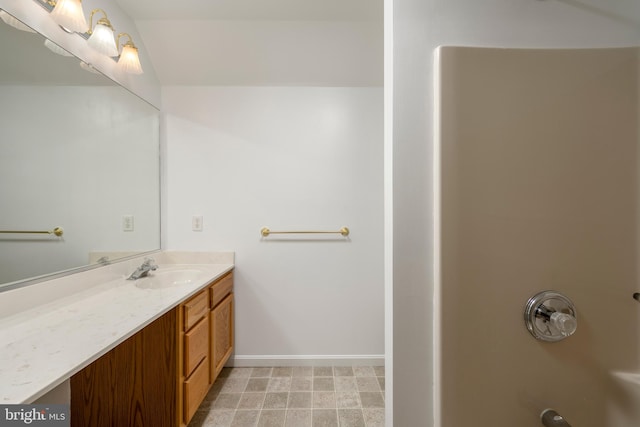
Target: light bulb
102, 40
69, 15
129, 61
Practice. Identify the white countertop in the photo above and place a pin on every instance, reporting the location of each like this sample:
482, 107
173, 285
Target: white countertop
43, 345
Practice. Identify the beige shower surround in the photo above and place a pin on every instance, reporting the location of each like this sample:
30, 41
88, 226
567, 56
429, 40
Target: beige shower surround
539, 190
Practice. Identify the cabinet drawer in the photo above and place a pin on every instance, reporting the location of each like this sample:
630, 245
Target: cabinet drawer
195, 389
195, 309
196, 345
221, 289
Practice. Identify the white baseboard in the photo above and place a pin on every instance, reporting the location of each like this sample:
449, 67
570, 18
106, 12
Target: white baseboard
246, 361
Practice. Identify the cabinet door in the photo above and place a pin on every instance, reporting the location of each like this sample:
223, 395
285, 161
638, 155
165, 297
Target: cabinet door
221, 335
132, 385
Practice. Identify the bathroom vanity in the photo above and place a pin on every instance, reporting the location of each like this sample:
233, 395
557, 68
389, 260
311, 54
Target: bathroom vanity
141, 352
160, 376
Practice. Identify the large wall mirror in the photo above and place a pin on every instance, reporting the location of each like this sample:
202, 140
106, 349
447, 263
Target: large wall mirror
77, 151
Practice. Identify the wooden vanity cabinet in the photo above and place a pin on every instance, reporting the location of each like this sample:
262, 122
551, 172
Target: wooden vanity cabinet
160, 376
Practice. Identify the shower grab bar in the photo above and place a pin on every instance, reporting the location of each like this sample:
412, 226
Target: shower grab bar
550, 418
58, 231
265, 231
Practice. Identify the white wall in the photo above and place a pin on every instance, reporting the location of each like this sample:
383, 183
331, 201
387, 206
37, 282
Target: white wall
286, 158
419, 27
266, 53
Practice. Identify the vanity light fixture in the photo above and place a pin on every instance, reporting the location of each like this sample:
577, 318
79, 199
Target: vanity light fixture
129, 62
102, 37
69, 15
13, 22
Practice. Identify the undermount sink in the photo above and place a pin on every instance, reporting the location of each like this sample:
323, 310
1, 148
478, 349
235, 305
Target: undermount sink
160, 279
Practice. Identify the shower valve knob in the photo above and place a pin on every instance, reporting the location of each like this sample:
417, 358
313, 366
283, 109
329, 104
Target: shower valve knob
550, 316
565, 323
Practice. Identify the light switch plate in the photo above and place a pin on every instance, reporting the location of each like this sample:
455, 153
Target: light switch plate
196, 223
127, 223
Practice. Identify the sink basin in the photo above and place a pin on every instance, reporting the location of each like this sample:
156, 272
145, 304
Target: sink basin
161, 279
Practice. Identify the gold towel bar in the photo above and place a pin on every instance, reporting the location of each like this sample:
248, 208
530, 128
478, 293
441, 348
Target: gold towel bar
58, 231
265, 232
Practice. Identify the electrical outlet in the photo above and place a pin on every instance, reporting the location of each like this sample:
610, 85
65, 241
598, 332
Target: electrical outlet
196, 223
127, 223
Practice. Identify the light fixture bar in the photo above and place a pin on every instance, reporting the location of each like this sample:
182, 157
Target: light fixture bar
68, 14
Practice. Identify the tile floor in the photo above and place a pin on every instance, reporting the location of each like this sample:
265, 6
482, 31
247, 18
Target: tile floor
327, 396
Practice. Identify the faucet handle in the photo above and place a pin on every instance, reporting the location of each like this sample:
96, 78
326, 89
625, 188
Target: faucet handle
150, 263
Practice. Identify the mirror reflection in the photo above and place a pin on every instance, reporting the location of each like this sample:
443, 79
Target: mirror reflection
78, 152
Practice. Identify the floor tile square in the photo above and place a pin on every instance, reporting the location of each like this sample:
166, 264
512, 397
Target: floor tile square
323, 371
271, 418
276, 400
251, 401
282, 372
324, 418
373, 417
279, 384
216, 388
368, 384
348, 399
350, 418
234, 385
323, 384
346, 384
245, 418
364, 371
218, 419
240, 372
371, 399
324, 399
343, 371
298, 418
257, 384
227, 401
301, 384
299, 399
261, 372
302, 371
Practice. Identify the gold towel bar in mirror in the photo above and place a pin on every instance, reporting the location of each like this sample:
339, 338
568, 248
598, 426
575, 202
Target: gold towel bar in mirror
58, 231
265, 231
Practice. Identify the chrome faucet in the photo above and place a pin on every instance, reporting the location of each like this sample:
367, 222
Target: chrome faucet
148, 265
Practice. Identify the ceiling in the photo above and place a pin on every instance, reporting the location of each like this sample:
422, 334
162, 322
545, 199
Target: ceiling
302, 10
262, 42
